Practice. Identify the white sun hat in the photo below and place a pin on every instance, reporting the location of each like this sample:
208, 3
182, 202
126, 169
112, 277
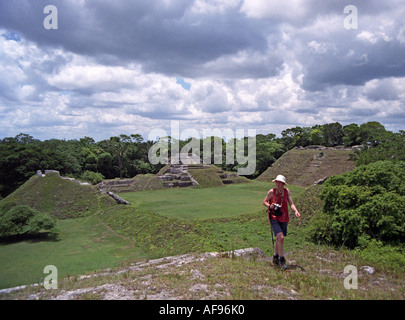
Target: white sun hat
280, 178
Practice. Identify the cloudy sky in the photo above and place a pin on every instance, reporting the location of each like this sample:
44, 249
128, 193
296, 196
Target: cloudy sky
128, 66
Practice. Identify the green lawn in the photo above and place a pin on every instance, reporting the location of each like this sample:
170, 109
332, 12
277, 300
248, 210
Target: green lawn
205, 203
84, 245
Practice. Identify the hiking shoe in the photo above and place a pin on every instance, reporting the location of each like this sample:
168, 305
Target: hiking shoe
276, 262
282, 262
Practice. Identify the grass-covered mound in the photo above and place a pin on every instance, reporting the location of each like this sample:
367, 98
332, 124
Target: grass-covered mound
212, 177
207, 177
58, 197
304, 167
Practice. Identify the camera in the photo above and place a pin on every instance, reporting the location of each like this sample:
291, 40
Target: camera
277, 210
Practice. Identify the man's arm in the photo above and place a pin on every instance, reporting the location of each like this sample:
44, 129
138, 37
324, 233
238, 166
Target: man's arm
267, 199
292, 205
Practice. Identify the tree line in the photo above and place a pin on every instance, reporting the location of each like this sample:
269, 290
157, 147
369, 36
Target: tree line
125, 156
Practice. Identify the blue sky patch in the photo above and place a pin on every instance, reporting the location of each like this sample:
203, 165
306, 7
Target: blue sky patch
11, 35
183, 83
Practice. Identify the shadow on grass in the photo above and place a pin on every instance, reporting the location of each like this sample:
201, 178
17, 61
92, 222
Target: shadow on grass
32, 238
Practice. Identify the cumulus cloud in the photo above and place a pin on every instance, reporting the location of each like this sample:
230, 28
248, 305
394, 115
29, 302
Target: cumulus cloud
128, 66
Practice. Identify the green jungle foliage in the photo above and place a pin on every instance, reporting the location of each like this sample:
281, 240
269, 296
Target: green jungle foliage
366, 203
391, 147
92, 177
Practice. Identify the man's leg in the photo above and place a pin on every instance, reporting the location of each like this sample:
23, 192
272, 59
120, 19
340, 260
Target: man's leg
279, 247
279, 229
280, 239
276, 230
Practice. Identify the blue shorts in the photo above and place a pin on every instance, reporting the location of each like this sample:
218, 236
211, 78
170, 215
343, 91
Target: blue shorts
279, 227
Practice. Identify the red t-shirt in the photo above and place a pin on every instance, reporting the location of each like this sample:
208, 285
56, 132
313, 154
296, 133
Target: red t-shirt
281, 199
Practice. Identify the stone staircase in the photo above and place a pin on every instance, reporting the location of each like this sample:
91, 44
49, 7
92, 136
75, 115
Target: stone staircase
225, 176
122, 185
177, 175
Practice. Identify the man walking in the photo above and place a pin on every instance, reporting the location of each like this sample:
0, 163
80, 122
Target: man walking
277, 201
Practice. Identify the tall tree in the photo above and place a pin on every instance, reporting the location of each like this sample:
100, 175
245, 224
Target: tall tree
372, 133
332, 134
119, 146
294, 137
351, 135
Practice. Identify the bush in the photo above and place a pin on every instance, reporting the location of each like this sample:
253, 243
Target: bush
367, 203
92, 177
21, 220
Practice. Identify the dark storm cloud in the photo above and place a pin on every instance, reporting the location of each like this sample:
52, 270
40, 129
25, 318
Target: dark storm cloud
353, 57
166, 39
355, 64
170, 38
384, 90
